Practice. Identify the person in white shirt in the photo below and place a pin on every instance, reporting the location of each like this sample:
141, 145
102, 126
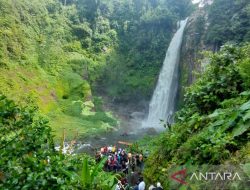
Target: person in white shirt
118, 186
110, 149
142, 184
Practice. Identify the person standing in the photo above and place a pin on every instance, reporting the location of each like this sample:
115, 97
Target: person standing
142, 184
158, 186
151, 187
134, 178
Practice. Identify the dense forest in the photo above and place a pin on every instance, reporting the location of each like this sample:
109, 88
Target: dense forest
61, 61
73, 49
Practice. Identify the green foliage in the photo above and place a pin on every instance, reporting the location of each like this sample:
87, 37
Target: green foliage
24, 157
92, 178
244, 67
144, 29
53, 54
229, 21
29, 162
214, 122
75, 48
48, 60
221, 81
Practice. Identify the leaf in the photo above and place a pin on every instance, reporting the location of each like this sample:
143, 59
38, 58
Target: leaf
71, 175
245, 93
216, 123
215, 113
97, 168
246, 116
246, 169
231, 121
245, 106
240, 129
85, 174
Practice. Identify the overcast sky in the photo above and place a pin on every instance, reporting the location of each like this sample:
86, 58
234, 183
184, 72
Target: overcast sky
196, 1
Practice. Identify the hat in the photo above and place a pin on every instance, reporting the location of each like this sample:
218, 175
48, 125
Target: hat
158, 184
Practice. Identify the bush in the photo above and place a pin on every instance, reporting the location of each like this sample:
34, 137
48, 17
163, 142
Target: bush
213, 124
28, 158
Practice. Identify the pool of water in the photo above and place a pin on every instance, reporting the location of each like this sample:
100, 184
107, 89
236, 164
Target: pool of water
128, 132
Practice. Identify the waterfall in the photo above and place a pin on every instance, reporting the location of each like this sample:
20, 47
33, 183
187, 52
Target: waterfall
162, 105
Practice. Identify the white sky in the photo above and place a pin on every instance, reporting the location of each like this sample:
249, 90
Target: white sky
196, 1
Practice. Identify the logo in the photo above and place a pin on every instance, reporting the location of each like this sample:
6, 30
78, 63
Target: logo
180, 176
216, 176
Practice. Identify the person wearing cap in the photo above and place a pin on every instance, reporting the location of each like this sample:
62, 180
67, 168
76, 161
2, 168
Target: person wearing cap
151, 187
158, 186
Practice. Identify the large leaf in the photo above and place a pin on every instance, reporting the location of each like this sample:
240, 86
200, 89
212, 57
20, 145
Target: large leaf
85, 174
245, 106
242, 127
72, 175
216, 113
245, 93
246, 116
97, 168
216, 123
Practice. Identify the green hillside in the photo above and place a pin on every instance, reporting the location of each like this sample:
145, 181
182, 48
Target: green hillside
80, 68
213, 126
55, 55
44, 64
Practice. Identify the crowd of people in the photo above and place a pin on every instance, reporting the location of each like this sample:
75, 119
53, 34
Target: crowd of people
129, 166
119, 160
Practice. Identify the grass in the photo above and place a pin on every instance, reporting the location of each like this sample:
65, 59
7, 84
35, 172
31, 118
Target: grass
77, 126
66, 101
27, 85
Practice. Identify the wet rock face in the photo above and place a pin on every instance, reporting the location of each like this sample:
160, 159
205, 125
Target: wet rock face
192, 46
151, 131
137, 115
193, 43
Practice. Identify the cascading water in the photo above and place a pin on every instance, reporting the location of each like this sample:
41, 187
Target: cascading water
162, 104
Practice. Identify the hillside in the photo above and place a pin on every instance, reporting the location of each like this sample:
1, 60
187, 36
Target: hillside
60, 57
44, 65
74, 70
212, 127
